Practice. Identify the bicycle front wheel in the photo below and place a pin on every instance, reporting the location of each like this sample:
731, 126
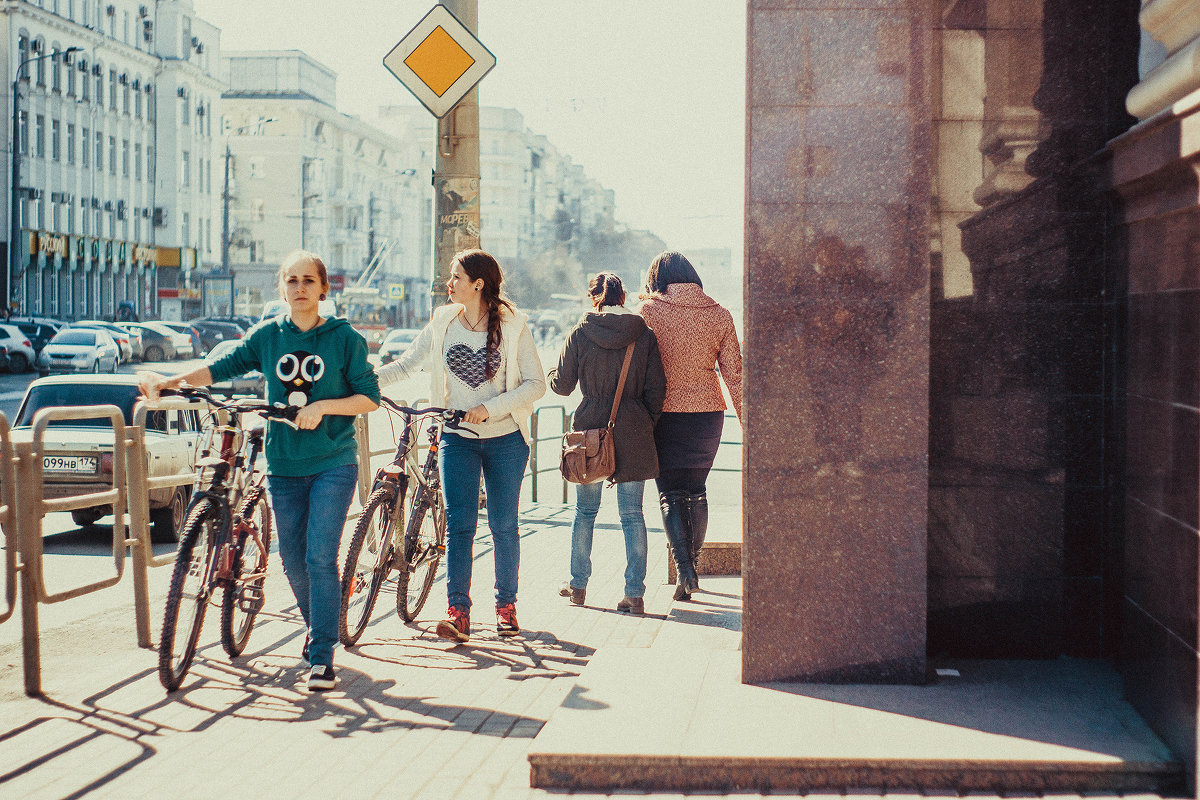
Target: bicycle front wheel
424, 542
368, 562
187, 599
244, 597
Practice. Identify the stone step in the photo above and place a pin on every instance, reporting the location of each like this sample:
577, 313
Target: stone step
675, 717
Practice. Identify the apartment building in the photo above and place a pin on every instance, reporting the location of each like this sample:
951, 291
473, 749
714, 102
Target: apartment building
113, 118
303, 174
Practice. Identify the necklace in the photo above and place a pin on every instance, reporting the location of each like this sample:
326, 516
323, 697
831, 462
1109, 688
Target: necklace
473, 325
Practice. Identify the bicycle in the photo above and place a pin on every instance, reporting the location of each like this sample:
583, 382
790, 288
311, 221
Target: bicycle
373, 554
225, 538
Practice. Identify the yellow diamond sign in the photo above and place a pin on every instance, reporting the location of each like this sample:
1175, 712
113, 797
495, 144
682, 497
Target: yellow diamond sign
439, 61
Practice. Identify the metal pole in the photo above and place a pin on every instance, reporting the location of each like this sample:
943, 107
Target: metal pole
225, 215
14, 231
456, 173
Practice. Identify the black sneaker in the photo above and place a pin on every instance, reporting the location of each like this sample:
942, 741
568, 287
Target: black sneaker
321, 678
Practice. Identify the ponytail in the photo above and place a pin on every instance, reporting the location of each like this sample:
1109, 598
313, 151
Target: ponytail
608, 288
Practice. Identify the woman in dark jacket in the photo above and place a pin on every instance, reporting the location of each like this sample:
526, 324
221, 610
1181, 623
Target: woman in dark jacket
592, 358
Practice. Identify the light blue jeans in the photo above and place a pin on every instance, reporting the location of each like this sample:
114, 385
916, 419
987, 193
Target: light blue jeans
633, 524
310, 514
501, 460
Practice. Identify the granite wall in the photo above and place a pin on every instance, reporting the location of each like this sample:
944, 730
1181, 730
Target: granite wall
1155, 170
1025, 453
837, 305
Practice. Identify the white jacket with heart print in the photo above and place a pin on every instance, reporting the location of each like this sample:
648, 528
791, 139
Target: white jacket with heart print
523, 385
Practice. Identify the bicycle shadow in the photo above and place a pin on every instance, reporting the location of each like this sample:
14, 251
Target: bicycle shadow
534, 654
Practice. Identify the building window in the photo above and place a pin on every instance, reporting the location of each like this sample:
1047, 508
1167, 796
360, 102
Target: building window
184, 118
99, 151
137, 162
23, 54
84, 143
112, 155
39, 136
151, 104
23, 133
185, 168
70, 143
149, 163
55, 139
137, 105
84, 93
41, 65
99, 73
125, 98
257, 210
56, 70
125, 158
71, 70
185, 228
112, 90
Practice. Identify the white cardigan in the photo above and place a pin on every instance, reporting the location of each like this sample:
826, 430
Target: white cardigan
524, 378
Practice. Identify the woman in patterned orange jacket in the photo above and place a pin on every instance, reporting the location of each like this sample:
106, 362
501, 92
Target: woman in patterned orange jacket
695, 336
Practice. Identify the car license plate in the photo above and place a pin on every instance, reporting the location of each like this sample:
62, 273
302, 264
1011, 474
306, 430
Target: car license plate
77, 464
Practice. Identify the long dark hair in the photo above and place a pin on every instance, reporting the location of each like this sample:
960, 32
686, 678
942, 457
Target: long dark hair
479, 264
608, 287
670, 267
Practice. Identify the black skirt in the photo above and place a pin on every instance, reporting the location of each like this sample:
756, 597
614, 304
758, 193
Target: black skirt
688, 440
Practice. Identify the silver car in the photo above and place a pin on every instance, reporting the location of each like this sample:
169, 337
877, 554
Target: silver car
79, 350
78, 454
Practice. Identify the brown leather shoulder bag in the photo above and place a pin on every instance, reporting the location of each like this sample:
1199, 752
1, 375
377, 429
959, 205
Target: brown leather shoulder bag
590, 455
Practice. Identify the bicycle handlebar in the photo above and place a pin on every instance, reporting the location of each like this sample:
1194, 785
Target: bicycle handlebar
275, 412
451, 417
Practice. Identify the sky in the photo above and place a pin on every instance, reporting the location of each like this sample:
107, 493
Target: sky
648, 96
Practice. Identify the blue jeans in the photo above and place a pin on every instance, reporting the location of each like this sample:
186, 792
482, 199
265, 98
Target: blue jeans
310, 514
633, 524
501, 461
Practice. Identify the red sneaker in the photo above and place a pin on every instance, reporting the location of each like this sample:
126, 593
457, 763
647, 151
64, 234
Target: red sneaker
506, 620
457, 627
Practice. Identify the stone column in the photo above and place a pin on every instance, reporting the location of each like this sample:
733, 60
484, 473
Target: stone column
1176, 25
837, 341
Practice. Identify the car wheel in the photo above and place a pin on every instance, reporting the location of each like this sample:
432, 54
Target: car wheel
96, 367
17, 362
153, 353
83, 517
168, 520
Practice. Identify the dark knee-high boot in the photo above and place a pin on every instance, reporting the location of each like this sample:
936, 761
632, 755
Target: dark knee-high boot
697, 514
675, 521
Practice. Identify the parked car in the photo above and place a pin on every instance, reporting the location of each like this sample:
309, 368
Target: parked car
118, 334
252, 383
396, 343
158, 345
181, 339
213, 332
78, 454
21, 355
193, 335
80, 350
38, 330
273, 308
242, 321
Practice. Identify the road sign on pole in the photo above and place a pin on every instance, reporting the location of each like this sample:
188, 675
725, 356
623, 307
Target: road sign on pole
439, 61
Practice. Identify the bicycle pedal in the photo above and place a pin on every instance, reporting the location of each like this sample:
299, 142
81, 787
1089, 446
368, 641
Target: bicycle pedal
251, 599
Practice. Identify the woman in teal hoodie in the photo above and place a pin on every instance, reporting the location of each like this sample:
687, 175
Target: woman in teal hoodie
320, 365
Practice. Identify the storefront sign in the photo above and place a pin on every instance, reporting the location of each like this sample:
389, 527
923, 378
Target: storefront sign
52, 245
145, 254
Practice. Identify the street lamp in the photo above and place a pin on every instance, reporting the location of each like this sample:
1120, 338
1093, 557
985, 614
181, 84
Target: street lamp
14, 202
225, 267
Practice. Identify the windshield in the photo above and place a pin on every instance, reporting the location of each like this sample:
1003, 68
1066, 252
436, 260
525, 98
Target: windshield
78, 394
74, 337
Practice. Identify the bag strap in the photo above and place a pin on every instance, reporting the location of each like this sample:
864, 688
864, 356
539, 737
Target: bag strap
612, 418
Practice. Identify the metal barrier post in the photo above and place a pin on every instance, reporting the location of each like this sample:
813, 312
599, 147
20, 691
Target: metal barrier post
139, 524
533, 455
29, 526
8, 527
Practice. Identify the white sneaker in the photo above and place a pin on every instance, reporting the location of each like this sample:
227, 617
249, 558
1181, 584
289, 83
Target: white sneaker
321, 678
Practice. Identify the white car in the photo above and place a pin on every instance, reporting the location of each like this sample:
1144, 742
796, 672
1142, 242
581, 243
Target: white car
79, 350
20, 350
396, 343
78, 454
